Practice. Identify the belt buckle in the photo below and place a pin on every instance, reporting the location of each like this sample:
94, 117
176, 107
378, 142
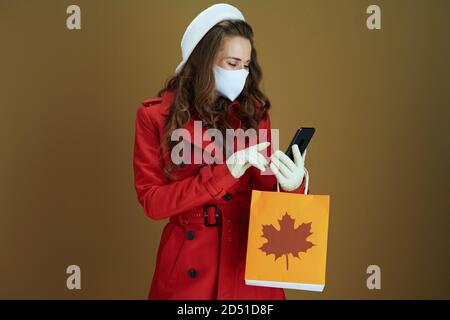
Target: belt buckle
216, 215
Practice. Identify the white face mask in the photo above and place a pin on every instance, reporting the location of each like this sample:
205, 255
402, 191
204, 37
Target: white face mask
230, 83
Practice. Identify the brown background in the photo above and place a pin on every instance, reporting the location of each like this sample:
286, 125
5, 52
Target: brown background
378, 99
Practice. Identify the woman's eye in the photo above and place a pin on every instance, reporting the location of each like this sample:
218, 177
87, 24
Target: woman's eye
246, 67
233, 65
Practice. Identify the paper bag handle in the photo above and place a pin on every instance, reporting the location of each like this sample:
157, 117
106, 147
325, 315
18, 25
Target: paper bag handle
306, 183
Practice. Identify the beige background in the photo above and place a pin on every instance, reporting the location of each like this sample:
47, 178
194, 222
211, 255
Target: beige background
378, 99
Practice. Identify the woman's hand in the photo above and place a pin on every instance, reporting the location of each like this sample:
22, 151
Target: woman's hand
288, 173
241, 160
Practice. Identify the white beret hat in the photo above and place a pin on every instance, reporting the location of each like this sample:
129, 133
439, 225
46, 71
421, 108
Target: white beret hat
201, 24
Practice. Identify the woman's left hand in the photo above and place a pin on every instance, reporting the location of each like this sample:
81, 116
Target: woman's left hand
288, 173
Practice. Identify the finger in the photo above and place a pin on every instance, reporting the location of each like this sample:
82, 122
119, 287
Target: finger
262, 159
257, 164
304, 155
278, 175
257, 160
285, 171
297, 155
261, 146
257, 157
273, 167
286, 160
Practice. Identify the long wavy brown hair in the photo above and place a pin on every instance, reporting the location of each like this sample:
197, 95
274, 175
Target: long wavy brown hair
194, 88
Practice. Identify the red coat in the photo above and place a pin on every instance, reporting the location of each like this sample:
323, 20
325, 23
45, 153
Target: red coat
196, 261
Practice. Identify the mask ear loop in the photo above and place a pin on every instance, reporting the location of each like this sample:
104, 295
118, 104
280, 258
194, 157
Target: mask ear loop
306, 183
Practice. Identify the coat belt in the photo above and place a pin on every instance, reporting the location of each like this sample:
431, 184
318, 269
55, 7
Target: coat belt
211, 215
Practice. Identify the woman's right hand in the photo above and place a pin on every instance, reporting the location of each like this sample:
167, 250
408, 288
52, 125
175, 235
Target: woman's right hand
243, 159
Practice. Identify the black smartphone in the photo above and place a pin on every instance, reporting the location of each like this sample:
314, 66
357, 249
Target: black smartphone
301, 138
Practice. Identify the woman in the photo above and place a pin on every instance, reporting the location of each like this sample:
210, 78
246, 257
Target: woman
202, 250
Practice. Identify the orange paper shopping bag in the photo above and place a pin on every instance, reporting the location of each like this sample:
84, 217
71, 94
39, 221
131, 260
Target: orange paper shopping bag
287, 240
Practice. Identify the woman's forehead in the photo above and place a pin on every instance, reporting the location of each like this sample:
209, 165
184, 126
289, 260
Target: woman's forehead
235, 47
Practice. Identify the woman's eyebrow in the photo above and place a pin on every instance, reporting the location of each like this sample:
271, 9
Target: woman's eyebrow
237, 59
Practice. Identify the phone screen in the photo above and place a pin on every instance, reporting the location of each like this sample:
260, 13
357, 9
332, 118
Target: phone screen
301, 138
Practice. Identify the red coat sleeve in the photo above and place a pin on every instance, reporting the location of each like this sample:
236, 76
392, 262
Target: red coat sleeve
269, 182
159, 197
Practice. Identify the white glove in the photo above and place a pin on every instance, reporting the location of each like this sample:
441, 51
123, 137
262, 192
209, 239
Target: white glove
241, 160
288, 173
